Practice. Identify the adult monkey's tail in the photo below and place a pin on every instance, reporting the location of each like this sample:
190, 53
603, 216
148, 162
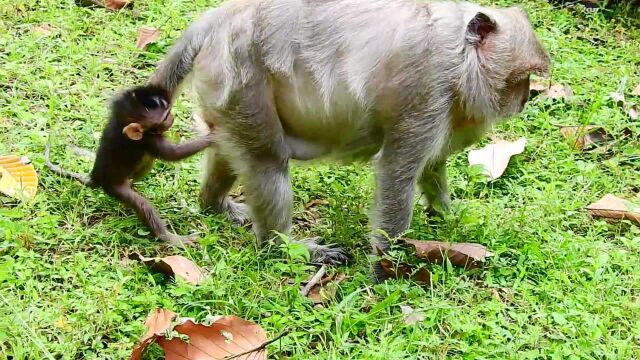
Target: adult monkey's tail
178, 63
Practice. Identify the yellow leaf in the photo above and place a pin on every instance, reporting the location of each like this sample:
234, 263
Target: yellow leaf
62, 323
17, 179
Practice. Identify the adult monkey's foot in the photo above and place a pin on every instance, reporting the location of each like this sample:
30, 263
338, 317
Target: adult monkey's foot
326, 254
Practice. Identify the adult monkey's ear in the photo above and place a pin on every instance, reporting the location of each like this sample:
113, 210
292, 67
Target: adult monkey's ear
479, 28
134, 131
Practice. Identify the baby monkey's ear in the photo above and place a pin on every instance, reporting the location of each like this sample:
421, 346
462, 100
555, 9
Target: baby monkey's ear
134, 131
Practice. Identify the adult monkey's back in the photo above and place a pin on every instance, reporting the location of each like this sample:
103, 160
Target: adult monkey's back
284, 79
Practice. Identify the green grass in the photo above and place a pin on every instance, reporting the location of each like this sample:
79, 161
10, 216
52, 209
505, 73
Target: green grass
561, 285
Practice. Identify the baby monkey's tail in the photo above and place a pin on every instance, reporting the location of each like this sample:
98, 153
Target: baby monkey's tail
58, 170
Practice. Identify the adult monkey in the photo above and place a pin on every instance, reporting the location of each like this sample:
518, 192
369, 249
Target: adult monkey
348, 79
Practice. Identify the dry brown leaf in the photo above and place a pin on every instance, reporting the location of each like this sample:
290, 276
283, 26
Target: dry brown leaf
316, 202
495, 157
636, 91
43, 29
558, 92
613, 207
403, 270
466, 255
175, 265
146, 35
325, 290
411, 316
584, 135
18, 178
117, 4
157, 323
227, 336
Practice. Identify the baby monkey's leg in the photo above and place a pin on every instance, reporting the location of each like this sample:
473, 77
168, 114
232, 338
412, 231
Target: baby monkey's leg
147, 213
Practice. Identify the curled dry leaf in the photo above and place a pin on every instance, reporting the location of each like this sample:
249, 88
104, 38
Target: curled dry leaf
495, 157
175, 265
558, 92
157, 323
411, 316
613, 207
226, 337
18, 178
146, 35
538, 86
316, 202
466, 255
584, 135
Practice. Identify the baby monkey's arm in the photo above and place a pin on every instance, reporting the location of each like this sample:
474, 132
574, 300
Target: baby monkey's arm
162, 149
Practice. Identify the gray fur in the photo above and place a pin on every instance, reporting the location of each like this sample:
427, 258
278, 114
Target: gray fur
347, 79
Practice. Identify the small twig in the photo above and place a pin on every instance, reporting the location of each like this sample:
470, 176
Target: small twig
314, 280
259, 348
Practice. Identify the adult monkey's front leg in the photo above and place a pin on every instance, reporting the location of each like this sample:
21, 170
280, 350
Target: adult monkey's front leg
396, 175
433, 185
404, 155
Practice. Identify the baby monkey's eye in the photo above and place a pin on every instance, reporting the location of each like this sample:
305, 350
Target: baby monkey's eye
154, 102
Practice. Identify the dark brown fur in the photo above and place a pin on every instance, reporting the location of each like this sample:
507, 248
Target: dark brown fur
132, 139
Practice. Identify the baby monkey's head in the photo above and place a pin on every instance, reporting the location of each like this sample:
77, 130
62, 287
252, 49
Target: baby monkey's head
143, 109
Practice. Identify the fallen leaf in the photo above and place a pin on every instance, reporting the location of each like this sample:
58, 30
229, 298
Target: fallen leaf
617, 97
495, 157
175, 265
411, 316
584, 135
316, 202
157, 323
228, 336
325, 290
558, 92
466, 255
18, 178
403, 270
117, 4
43, 29
62, 323
146, 35
538, 86
636, 91
612, 207
311, 216
633, 112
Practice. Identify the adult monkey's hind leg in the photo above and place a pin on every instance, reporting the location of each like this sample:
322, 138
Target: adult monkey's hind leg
214, 193
261, 157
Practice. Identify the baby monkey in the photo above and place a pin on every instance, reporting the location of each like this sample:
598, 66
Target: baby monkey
132, 139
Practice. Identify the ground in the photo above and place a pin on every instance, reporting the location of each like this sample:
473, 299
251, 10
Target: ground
561, 284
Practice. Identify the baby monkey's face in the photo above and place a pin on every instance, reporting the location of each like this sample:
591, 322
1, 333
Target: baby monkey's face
157, 114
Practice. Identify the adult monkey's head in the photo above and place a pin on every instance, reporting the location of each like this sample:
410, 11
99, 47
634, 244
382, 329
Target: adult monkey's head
500, 52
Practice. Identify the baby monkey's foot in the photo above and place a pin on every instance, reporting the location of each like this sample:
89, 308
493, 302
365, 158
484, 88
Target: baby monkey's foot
179, 240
